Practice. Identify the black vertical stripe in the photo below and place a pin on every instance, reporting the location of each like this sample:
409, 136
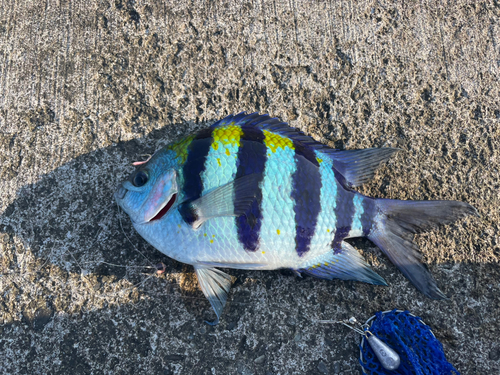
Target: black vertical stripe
306, 195
368, 214
340, 234
344, 212
251, 159
195, 164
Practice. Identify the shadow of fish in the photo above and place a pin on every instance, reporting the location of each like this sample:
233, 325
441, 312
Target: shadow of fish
250, 192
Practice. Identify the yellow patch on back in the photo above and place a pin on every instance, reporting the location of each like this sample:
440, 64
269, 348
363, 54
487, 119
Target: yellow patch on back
278, 231
218, 161
226, 135
181, 147
227, 152
319, 160
273, 141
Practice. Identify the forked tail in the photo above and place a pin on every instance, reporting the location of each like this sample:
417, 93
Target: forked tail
394, 226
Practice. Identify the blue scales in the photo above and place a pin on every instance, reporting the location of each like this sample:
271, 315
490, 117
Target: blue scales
250, 192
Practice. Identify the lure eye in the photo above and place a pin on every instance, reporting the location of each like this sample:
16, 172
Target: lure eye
140, 179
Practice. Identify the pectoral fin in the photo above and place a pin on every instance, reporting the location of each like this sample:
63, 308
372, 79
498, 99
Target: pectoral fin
221, 202
215, 285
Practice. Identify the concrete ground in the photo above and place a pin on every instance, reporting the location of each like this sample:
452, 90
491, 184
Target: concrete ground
86, 88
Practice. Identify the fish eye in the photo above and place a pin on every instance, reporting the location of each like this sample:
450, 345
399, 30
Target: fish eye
140, 178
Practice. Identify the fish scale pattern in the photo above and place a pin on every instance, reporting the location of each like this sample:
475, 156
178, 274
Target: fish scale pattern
298, 205
278, 230
275, 141
326, 224
252, 193
220, 164
306, 191
217, 241
180, 148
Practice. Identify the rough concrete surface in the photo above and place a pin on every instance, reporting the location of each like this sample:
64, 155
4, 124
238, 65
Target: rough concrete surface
86, 88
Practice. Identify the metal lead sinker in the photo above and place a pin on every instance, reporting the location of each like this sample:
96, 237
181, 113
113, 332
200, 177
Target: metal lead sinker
387, 357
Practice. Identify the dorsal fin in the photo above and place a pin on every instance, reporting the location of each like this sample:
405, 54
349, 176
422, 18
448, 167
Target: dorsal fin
251, 120
359, 166
356, 166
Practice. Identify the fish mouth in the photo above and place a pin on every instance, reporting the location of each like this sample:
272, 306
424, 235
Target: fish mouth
166, 207
120, 192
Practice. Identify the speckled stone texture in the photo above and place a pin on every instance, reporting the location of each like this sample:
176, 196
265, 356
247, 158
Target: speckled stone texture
86, 88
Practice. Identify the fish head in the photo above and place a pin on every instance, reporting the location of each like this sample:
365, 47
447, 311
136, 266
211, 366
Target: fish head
149, 194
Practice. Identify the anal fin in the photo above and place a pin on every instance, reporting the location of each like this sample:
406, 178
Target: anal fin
344, 263
215, 285
240, 266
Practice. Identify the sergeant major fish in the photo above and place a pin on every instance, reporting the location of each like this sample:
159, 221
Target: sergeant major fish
250, 192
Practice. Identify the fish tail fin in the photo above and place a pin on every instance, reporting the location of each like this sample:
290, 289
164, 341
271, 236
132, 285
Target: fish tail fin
395, 225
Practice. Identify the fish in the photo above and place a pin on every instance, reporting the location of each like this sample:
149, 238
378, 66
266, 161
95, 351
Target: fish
250, 192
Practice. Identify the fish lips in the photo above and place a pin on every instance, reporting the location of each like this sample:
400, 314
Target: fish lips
161, 198
164, 208
120, 193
